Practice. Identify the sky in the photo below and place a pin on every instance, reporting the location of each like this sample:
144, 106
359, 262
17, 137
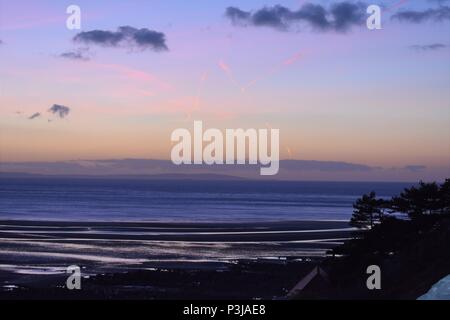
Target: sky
137, 70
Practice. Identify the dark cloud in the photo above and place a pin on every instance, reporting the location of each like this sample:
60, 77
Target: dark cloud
428, 47
34, 116
79, 54
346, 15
338, 17
441, 13
277, 17
315, 15
236, 15
125, 36
104, 38
61, 111
1, 42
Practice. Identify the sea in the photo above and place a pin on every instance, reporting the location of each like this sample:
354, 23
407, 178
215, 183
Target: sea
136, 200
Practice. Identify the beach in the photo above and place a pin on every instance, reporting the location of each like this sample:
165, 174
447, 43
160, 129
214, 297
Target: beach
36, 254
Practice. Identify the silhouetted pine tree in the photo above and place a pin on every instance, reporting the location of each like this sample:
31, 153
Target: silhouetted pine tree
368, 210
427, 199
445, 197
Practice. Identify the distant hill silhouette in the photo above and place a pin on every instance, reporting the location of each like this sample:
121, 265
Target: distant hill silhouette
125, 176
289, 170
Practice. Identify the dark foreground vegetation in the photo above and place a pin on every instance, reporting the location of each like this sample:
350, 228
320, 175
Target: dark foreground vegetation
242, 281
407, 236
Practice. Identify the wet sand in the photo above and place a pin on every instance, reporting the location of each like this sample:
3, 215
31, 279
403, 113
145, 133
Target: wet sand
36, 254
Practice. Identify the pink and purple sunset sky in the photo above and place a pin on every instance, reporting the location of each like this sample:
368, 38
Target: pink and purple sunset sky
373, 97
